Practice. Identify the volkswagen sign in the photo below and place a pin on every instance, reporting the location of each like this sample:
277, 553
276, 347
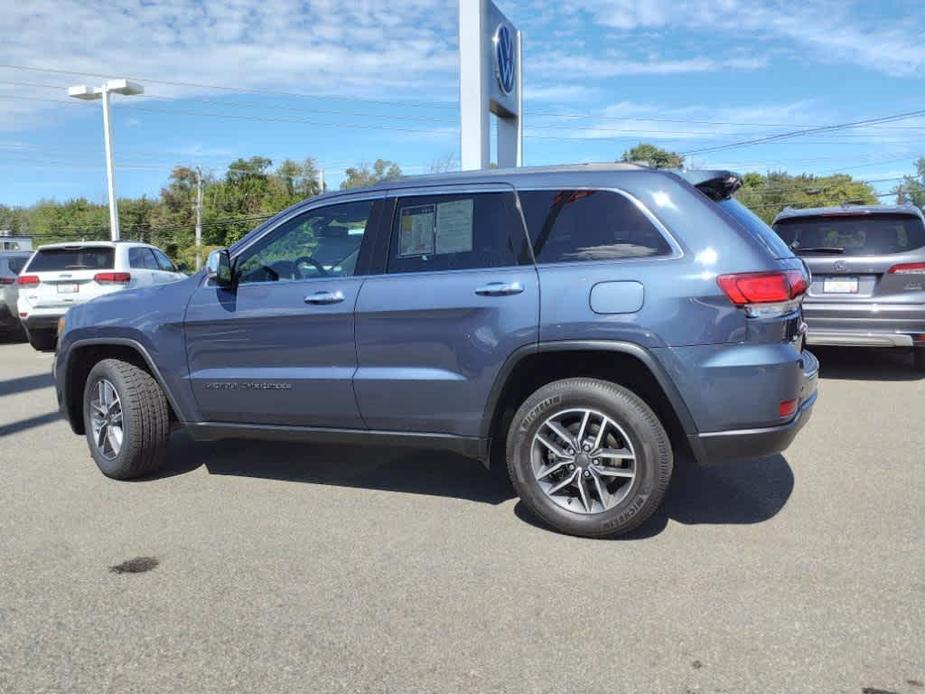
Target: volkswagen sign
505, 59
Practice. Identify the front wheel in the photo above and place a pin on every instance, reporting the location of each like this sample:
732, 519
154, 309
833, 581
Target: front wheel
589, 457
126, 419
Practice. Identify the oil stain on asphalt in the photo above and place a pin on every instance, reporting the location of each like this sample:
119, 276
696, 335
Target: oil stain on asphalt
137, 565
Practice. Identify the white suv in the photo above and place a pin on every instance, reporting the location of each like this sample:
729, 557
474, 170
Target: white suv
62, 275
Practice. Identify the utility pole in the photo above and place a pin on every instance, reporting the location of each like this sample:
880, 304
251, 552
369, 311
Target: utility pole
198, 217
321, 181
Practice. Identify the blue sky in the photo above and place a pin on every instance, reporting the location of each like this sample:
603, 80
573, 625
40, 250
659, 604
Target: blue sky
346, 81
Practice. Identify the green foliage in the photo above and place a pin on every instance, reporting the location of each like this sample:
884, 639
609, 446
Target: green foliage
361, 176
657, 158
912, 189
766, 195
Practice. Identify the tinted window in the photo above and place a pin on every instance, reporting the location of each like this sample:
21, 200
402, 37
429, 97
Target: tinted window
753, 223
163, 262
17, 264
574, 225
57, 259
141, 259
871, 234
324, 242
456, 232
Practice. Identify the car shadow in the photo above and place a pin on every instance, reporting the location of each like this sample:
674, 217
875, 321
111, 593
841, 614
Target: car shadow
736, 493
741, 493
433, 473
866, 364
25, 383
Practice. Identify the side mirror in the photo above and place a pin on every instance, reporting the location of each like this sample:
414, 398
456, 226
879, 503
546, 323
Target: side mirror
218, 268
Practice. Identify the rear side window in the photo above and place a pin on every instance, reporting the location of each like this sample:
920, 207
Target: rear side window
456, 232
58, 259
870, 234
754, 224
576, 225
141, 259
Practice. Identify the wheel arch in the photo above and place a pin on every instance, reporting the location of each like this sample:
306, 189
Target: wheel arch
83, 355
626, 363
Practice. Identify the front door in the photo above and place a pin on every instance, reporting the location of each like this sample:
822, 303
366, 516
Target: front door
279, 348
457, 296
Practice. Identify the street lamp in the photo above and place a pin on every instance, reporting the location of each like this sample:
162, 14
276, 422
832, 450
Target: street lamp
126, 88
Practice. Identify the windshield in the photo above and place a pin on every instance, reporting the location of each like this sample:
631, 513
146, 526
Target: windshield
57, 259
869, 234
753, 223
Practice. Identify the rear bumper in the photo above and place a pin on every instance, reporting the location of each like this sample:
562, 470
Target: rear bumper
43, 321
858, 338
749, 444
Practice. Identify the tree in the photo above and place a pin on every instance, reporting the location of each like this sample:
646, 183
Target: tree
912, 189
447, 162
653, 156
766, 195
360, 176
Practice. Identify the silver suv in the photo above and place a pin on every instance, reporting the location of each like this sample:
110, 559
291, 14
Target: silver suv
868, 266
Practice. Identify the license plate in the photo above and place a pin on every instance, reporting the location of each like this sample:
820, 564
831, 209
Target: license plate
840, 285
68, 288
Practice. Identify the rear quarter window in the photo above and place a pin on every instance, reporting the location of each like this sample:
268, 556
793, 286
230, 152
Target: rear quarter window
582, 225
60, 259
757, 227
869, 234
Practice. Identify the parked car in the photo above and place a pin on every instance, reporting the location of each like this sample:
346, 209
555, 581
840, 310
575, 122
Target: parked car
11, 264
63, 275
577, 324
868, 267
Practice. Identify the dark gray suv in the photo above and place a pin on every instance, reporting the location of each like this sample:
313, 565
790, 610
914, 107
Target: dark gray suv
577, 325
868, 268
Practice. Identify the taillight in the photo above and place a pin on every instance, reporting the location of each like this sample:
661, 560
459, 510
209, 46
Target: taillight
787, 407
7, 280
28, 280
112, 278
908, 269
748, 288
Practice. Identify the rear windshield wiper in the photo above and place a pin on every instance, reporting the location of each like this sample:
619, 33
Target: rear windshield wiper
834, 250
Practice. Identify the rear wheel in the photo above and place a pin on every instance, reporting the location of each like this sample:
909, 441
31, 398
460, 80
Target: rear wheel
126, 419
43, 340
589, 457
919, 358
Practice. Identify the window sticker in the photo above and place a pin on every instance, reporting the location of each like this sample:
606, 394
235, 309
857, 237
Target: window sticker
416, 234
454, 226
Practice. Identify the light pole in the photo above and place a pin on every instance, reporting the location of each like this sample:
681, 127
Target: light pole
126, 88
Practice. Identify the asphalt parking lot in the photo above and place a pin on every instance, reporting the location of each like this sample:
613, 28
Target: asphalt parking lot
306, 568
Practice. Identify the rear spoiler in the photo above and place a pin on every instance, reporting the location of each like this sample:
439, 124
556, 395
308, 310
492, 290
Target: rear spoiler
716, 185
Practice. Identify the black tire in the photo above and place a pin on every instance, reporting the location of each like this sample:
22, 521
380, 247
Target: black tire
43, 340
654, 458
918, 357
145, 420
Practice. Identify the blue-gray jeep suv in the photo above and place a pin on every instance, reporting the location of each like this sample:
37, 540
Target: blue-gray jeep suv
579, 324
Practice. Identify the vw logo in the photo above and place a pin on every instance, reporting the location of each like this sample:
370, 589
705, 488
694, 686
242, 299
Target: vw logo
505, 62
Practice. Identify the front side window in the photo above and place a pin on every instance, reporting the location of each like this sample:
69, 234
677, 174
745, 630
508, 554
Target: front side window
581, 225
455, 232
324, 242
141, 259
163, 262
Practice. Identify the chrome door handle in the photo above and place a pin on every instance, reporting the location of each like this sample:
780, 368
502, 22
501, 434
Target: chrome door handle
324, 298
500, 289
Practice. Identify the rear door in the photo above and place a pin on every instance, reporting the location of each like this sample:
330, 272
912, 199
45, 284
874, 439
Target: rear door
860, 257
458, 295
